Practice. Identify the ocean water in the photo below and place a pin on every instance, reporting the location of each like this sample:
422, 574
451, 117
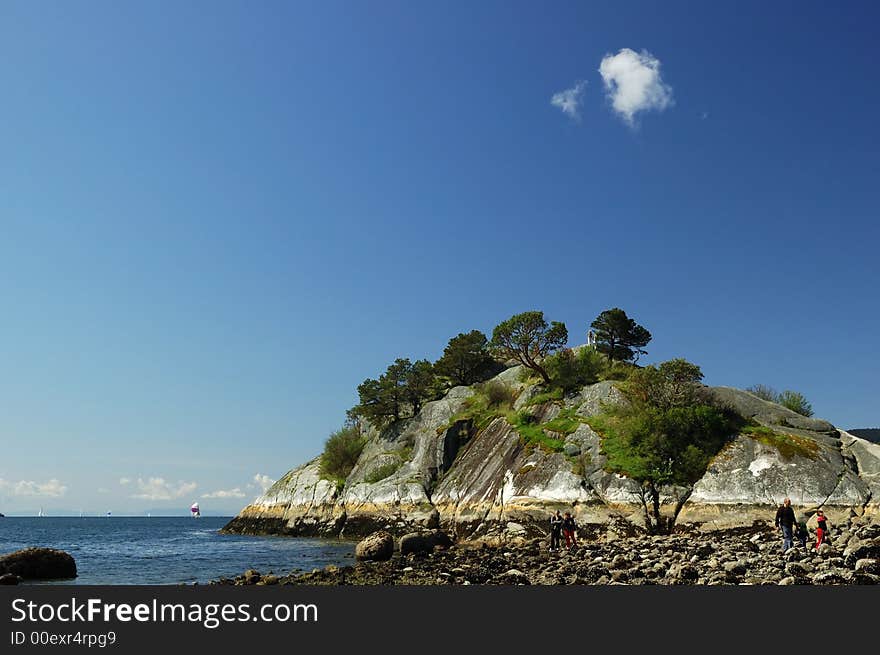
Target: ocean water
165, 550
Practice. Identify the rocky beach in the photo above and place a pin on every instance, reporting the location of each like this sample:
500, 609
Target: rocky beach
740, 556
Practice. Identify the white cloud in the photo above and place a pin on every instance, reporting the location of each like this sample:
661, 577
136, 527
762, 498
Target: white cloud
633, 83
569, 100
160, 489
124, 481
225, 493
263, 481
52, 488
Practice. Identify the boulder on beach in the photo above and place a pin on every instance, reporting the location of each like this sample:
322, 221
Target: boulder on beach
424, 542
38, 564
9, 579
379, 546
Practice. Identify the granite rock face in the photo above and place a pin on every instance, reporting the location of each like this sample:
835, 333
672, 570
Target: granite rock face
435, 470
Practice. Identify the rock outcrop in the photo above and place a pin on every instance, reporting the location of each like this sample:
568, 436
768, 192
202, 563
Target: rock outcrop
439, 470
38, 564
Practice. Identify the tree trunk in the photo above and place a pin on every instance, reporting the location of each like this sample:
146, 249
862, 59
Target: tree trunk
655, 501
543, 374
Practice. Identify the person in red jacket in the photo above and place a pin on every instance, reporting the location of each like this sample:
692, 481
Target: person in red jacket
821, 529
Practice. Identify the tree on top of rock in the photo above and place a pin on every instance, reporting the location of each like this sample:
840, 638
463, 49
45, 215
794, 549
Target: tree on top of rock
403, 384
419, 384
619, 336
528, 339
667, 433
383, 399
466, 359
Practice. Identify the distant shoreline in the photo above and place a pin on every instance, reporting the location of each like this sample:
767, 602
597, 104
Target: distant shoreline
22, 515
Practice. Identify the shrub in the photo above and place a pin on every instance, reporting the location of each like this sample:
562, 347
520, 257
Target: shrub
532, 434
764, 392
618, 371
793, 400
497, 394
581, 464
796, 402
570, 371
546, 397
382, 472
565, 423
490, 400
341, 452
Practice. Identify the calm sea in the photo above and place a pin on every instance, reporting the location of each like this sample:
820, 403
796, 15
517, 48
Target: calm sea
165, 550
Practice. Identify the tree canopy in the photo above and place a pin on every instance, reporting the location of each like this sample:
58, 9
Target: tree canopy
619, 336
667, 433
466, 359
402, 385
528, 339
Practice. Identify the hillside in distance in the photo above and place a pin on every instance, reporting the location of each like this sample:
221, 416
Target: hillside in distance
868, 434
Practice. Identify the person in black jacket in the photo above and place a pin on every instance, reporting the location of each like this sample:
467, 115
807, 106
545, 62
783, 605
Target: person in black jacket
785, 521
555, 530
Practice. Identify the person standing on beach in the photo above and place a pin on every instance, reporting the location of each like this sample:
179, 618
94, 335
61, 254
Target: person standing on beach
568, 529
555, 530
785, 520
821, 529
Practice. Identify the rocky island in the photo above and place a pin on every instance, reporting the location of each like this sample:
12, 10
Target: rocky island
556, 428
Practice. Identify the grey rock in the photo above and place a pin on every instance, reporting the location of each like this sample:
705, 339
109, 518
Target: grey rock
736, 568
424, 542
39, 564
830, 578
868, 566
797, 569
378, 546
827, 550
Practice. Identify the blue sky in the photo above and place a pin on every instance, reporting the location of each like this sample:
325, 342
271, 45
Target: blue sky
218, 219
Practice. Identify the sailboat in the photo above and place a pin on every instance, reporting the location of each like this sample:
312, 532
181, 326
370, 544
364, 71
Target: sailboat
41, 513
194, 510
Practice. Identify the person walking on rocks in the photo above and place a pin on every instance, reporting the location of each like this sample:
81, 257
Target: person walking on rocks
821, 529
568, 529
785, 520
555, 530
